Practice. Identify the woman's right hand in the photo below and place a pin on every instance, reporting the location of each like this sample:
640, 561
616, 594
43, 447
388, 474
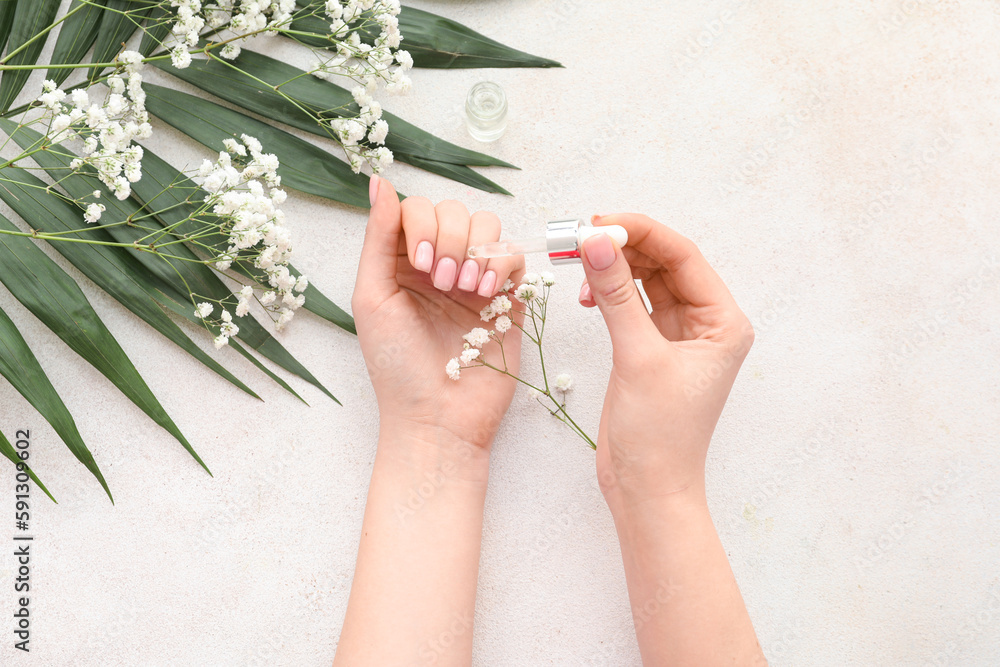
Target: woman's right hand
672, 367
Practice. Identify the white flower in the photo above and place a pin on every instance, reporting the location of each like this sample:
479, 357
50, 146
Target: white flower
453, 369
508, 285
246, 292
526, 293
564, 382
301, 284
180, 57
503, 324
93, 212
487, 313
501, 304
203, 310
548, 279
470, 355
477, 337
533, 393
268, 298
230, 51
221, 341
531, 278
379, 130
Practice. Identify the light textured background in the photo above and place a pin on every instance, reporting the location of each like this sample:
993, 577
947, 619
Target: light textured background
837, 165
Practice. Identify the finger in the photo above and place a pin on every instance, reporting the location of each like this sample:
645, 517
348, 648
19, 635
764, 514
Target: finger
483, 228
696, 282
420, 229
498, 270
376, 279
614, 290
586, 297
452, 243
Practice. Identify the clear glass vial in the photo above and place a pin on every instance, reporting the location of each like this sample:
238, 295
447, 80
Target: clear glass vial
486, 111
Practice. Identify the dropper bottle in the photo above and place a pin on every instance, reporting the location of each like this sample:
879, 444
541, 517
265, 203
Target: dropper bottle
562, 241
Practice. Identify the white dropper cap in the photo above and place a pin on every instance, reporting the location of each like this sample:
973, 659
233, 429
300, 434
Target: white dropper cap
617, 232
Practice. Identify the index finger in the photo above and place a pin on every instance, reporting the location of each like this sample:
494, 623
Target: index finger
696, 281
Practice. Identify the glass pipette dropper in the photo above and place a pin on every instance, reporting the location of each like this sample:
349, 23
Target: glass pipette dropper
562, 241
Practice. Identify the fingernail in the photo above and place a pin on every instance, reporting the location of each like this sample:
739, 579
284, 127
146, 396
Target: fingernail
444, 275
595, 218
585, 293
468, 275
488, 284
373, 188
599, 251
423, 258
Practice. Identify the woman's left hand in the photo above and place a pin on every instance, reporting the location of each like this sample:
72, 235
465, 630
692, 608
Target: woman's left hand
416, 295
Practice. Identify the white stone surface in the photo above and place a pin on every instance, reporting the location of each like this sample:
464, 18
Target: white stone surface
853, 476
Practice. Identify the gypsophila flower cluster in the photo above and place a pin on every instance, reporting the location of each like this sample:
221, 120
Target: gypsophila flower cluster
234, 21
533, 293
107, 129
244, 198
366, 63
362, 137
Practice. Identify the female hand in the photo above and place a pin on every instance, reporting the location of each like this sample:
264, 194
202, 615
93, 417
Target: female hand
673, 367
416, 295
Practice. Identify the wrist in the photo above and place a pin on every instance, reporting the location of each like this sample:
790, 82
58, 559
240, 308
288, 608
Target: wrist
629, 507
433, 449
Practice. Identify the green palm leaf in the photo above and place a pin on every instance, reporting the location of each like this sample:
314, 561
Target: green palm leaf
7, 8
76, 36
30, 18
165, 188
46, 211
52, 296
156, 29
120, 21
432, 40
8, 450
181, 276
254, 88
304, 166
253, 80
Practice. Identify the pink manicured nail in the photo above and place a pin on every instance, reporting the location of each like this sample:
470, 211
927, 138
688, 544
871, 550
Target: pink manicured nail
423, 258
488, 284
585, 293
468, 276
373, 189
599, 251
444, 275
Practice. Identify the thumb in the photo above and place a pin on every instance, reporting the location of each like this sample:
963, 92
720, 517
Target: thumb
610, 278
380, 252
